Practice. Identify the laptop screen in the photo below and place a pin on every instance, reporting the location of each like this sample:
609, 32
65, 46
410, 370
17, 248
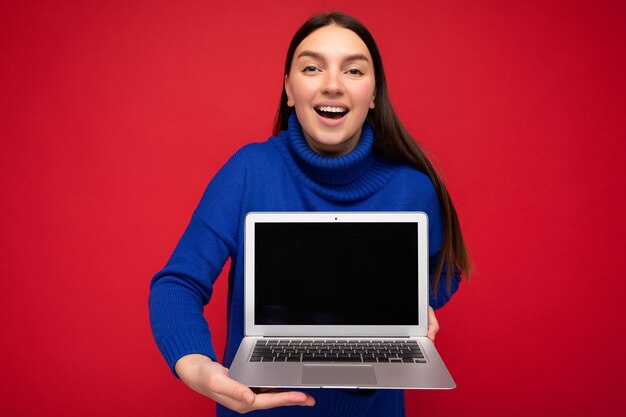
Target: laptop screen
336, 274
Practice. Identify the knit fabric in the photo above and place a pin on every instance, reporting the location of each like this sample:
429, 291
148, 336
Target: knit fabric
281, 174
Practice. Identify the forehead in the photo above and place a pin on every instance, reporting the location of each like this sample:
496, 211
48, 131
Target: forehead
333, 41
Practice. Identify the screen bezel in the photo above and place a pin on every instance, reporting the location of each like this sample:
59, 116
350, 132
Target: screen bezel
252, 329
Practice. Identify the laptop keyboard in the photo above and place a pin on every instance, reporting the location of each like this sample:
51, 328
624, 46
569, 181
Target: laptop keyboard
337, 350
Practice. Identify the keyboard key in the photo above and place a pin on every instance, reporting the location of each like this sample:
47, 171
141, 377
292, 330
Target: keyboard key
314, 359
412, 355
338, 350
342, 359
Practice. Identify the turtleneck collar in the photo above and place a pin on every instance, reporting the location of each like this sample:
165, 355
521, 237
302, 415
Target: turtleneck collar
331, 170
346, 178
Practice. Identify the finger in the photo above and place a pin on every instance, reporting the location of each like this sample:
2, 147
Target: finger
282, 399
265, 401
433, 329
433, 324
431, 335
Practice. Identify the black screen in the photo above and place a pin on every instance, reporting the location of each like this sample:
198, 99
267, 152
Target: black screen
336, 273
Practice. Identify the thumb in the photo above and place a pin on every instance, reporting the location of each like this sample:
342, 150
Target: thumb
433, 324
235, 390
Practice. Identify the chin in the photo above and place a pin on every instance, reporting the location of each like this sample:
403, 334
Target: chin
333, 141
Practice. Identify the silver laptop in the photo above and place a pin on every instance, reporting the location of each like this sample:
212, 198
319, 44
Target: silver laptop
337, 300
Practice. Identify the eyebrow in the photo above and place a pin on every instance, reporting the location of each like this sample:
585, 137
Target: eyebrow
317, 55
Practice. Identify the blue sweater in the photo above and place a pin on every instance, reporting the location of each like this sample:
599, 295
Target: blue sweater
281, 174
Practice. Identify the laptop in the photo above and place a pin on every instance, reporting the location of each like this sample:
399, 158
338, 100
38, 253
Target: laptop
337, 300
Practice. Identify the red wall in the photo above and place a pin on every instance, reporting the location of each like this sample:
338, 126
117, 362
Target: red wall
115, 115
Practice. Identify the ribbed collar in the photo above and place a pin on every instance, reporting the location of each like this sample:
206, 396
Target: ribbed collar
350, 177
331, 170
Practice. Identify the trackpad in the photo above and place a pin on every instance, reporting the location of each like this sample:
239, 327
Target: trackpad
338, 375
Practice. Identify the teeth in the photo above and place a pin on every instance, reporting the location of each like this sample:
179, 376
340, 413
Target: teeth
331, 109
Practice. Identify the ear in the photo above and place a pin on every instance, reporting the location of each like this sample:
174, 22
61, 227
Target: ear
373, 103
290, 101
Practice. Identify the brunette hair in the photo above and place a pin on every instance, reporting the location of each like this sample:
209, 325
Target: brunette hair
391, 140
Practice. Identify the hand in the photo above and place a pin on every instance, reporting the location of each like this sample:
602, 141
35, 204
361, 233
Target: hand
211, 379
433, 324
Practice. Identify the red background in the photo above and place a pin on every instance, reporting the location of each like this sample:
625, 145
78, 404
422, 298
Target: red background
115, 115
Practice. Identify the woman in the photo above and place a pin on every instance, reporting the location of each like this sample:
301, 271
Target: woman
338, 146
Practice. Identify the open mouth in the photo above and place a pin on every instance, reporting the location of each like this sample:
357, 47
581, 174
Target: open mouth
331, 112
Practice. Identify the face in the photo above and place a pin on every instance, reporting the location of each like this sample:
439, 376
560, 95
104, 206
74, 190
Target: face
331, 84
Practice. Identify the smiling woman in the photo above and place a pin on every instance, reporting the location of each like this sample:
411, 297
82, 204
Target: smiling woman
338, 146
331, 85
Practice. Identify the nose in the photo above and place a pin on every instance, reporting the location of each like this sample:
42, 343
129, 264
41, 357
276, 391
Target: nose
332, 83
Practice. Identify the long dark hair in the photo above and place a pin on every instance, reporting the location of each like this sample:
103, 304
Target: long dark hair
391, 140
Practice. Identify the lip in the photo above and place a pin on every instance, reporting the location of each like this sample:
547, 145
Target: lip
331, 122
332, 104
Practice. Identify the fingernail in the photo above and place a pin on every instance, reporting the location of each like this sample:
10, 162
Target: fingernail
248, 397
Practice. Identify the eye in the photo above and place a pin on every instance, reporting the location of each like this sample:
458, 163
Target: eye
309, 68
355, 71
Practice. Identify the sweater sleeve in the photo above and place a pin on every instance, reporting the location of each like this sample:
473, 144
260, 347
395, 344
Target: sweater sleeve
179, 292
443, 293
438, 297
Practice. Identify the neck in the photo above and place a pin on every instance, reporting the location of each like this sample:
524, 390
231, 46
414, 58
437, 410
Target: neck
340, 169
333, 151
346, 178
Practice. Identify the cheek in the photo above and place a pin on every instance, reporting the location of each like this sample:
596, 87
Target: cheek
364, 95
302, 92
